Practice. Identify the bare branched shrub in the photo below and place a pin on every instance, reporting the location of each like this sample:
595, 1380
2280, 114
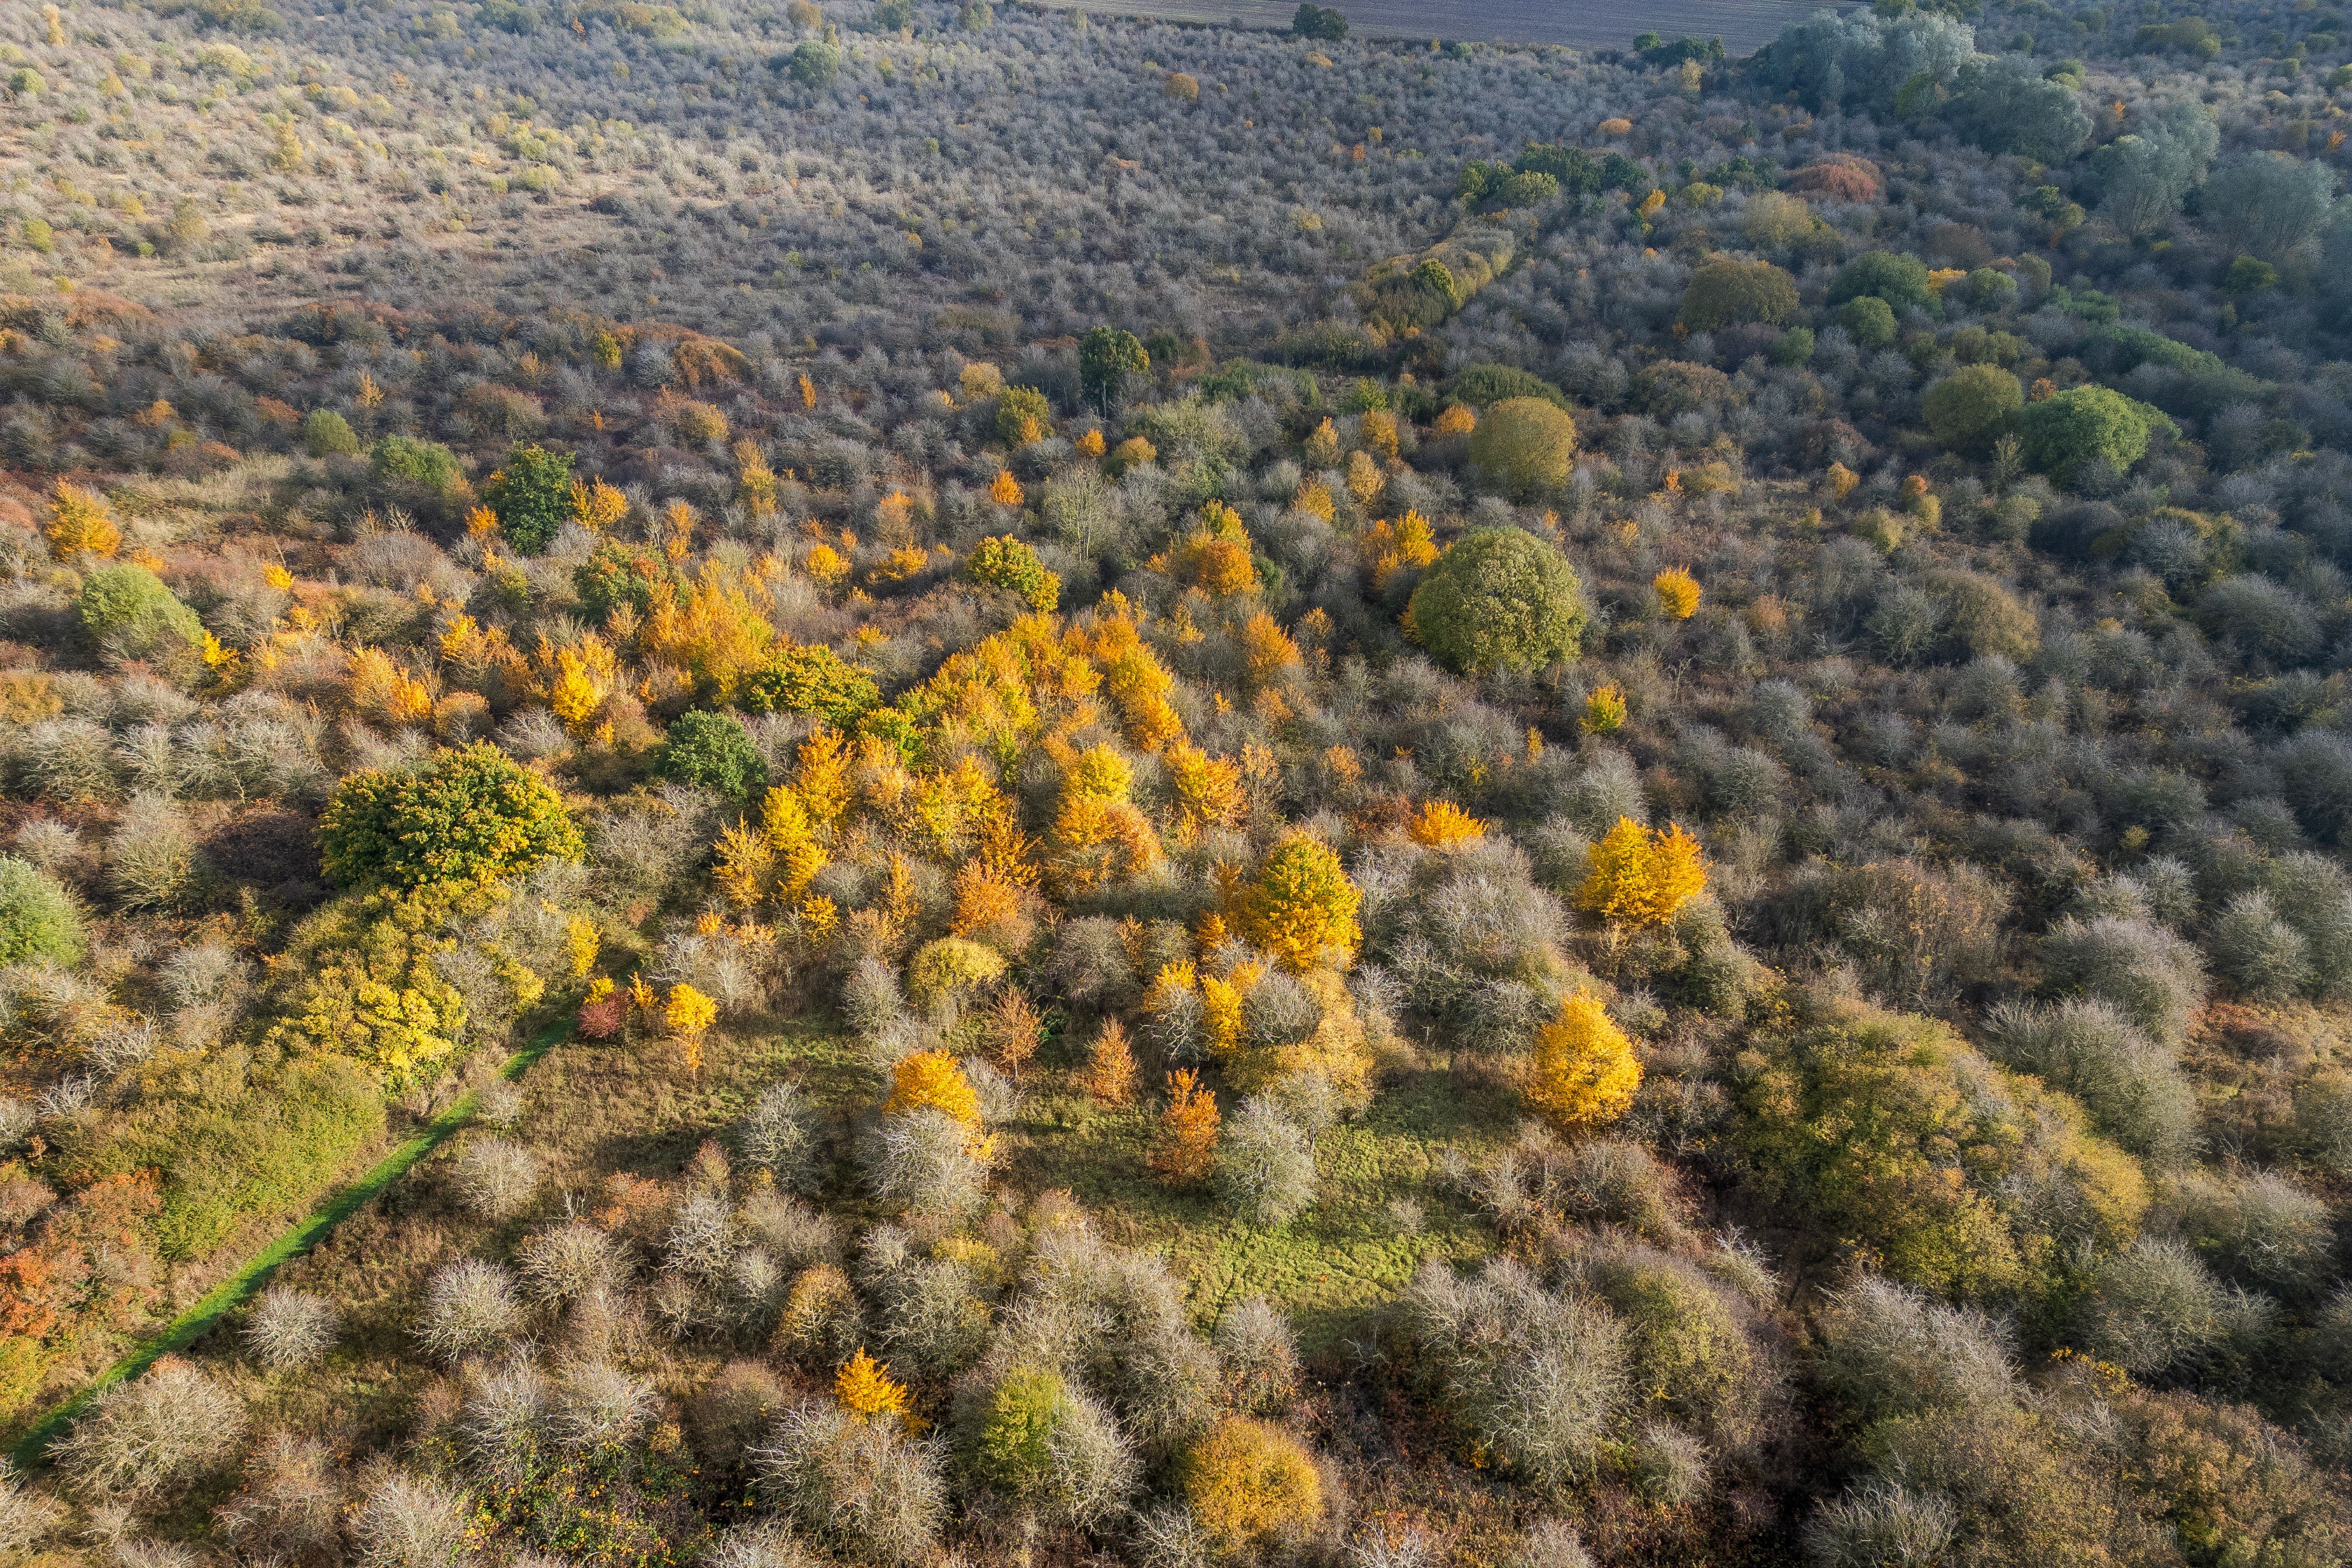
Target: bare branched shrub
496, 1176
779, 1134
574, 1259
599, 1406
2155, 1310
505, 1412
410, 1521
1552, 1544
1883, 1526
1533, 1374
2260, 1229
1887, 1350
289, 1330
1171, 1538
861, 1483
499, 1104
27, 1517
153, 862
1266, 1166
469, 1307
2090, 1048
921, 1163
1260, 1356
147, 1439
291, 1508
764, 1545
794, 1232
2153, 975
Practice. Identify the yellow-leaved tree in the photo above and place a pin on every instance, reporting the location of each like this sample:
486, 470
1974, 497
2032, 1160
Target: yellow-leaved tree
863, 1386
1640, 876
1302, 907
1584, 1073
934, 1080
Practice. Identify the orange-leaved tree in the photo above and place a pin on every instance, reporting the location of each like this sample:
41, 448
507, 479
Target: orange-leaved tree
1641, 876
1184, 1150
1584, 1073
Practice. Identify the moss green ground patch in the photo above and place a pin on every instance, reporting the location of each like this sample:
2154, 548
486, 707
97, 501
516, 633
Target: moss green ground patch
1334, 1266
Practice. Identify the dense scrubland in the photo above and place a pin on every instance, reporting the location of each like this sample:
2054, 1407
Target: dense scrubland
1281, 800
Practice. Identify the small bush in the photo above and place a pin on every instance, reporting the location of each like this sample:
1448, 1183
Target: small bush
1535, 1377
1265, 1166
1006, 562
1046, 1443
38, 918
2261, 957
470, 1307
779, 1134
27, 1517
128, 613
2258, 1228
597, 1405
1888, 1350
713, 750
288, 1330
922, 1163
861, 1484
1882, 1525
1250, 1485
1260, 1357
2155, 1310
2150, 973
1525, 446
495, 1176
410, 1521
573, 1262
147, 1439
2131, 1085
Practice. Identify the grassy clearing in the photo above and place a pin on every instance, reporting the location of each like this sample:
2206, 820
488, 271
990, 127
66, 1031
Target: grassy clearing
1332, 1267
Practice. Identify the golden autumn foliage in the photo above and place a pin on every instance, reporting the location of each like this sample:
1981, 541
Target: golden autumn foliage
1678, 594
1266, 648
1583, 1073
864, 1387
1208, 789
1007, 489
1108, 1076
1457, 420
932, 1080
709, 624
1605, 711
1215, 556
597, 505
1641, 876
79, 522
1250, 1483
1184, 1145
1301, 907
689, 1013
380, 690
1314, 498
1391, 546
822, 777
1441, 824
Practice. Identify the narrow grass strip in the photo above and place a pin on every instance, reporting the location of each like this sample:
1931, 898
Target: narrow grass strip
245, 1283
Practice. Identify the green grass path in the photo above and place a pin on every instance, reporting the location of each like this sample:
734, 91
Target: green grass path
241, 1286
